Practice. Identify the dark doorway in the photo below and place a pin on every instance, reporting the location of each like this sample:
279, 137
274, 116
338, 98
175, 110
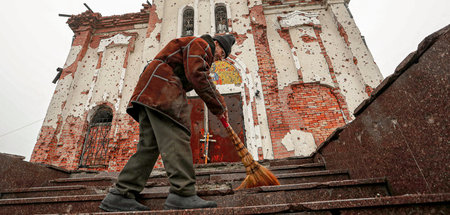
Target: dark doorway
220, 148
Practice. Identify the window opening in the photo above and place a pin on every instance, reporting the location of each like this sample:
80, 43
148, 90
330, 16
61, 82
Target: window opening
95, 147
188, 22
221, 19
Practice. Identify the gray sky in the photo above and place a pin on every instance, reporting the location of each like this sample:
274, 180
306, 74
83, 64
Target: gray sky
34, 41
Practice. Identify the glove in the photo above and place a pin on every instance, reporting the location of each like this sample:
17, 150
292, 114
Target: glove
223, 115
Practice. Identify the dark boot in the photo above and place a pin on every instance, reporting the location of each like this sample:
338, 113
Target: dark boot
174, 202
115, 202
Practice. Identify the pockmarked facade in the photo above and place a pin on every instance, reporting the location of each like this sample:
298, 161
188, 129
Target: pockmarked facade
298, 70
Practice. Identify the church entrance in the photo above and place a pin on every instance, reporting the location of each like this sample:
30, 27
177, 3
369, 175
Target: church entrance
209, 140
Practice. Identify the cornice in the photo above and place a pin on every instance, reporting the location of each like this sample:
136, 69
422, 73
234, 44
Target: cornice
279, 6
90, 20
86, 20
290, 3
283, 6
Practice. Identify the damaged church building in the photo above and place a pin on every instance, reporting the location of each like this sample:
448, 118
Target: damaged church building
297, 72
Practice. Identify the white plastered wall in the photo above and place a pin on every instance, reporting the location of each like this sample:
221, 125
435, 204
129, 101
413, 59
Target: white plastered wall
151, 44
313, 65
61, 91
111, 73
110, 82
58, 98
78, 93
369, 70
281, 54
204, 17
347, 73
247, 62
136, 63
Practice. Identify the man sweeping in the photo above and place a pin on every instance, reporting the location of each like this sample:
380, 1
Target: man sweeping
159, 104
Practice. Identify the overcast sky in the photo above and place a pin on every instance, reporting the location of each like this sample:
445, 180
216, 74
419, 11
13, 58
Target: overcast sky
34, 41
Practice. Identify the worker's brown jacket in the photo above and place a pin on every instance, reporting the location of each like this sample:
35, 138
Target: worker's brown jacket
182, 65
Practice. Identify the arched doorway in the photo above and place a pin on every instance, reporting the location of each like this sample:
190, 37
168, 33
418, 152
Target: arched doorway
209, 141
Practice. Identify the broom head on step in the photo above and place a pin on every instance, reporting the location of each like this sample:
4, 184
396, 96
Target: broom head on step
257, 175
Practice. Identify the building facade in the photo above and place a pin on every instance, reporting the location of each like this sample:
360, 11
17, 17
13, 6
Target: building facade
298, 70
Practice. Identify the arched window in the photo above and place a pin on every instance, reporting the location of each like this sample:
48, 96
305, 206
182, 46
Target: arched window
188, 22
221, 19
102, 115
223, 72
95, 147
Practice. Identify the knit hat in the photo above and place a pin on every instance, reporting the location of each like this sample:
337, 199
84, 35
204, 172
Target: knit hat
225, 41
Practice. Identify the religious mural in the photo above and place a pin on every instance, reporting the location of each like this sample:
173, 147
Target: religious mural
223, 72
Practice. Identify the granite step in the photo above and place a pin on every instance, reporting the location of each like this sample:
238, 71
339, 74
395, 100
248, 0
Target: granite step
230, 167
49, 191
275, 169
223, 168
266, 162
235, 179
72, 190
205, 172
224, 196
291, 178
100, 181
303, 192
408, 204
289, 161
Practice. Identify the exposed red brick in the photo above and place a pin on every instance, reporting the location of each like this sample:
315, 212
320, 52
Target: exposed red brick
82, 39
260, 153
240, 38
343, 33
355, 61
275, 2
308, 39
257, 15
95, 41
130, 49
115, 29
153, 20
99, 61
369, 90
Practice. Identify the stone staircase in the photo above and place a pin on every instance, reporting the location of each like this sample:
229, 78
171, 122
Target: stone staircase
307, 188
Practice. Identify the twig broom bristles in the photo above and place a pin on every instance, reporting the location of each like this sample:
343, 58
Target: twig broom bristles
257, 175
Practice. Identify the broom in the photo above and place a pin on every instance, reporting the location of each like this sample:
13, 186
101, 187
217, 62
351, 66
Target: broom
257, 175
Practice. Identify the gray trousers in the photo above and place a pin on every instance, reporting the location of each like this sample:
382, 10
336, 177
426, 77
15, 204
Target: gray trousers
159, 134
